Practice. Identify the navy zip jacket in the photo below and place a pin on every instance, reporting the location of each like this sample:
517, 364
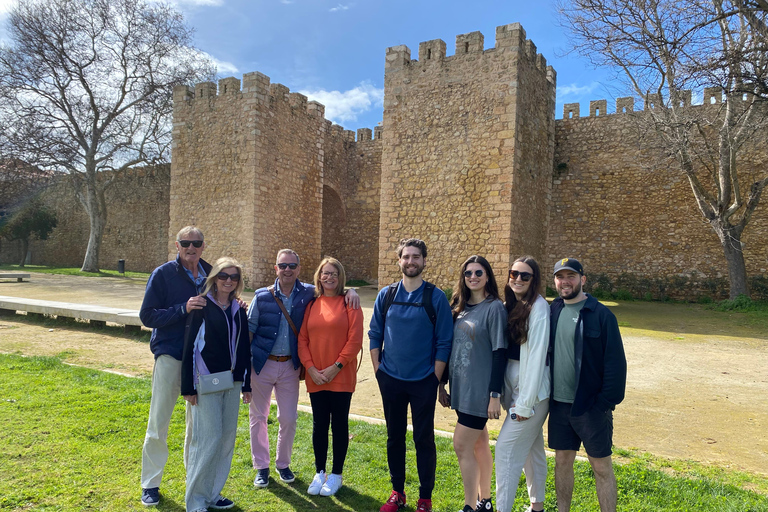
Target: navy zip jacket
600, 364
217, 332
168, 290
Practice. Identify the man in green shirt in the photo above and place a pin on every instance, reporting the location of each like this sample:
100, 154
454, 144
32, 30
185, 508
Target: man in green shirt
589, 374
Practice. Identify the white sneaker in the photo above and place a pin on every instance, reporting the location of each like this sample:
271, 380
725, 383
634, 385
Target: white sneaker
317, 483
331, 485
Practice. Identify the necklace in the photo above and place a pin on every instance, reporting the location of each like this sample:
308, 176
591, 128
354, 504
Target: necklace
223, 305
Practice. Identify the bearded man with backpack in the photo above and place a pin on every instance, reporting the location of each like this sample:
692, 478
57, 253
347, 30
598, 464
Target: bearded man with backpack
410, 336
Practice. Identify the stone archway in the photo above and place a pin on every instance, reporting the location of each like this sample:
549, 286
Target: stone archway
334, 224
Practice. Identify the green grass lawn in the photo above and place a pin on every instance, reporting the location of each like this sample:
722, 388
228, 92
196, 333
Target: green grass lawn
71, 440
71, 271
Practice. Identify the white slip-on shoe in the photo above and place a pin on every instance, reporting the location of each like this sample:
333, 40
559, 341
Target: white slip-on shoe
317, 484
331, 486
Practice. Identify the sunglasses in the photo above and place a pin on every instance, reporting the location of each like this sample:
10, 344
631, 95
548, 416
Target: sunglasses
525, 276
478, 273
223, 276
283, 266
196, 243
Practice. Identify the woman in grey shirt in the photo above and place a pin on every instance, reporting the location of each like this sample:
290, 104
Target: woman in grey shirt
476, 372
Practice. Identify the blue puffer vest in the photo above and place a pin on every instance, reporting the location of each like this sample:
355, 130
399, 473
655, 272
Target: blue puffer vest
270, 316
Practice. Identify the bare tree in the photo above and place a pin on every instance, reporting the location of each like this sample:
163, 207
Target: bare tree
86, 88
664, 49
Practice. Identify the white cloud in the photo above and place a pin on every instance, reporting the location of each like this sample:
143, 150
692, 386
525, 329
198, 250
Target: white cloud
576, 90
223, 67
214, 3
5, 5
286, 2
339, 7
345, 106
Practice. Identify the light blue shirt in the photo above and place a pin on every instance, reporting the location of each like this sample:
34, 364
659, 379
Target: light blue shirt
201, 275
282, 346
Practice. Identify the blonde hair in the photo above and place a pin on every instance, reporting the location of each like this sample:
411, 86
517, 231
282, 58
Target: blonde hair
221, 264
342, 276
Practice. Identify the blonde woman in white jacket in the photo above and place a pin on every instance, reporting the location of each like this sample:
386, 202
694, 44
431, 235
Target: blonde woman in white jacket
520, 445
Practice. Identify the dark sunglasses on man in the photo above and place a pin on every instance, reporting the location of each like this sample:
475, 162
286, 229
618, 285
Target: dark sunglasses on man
195, 243
525, 276
283, 266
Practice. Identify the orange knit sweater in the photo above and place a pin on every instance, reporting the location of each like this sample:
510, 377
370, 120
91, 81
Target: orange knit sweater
331, 332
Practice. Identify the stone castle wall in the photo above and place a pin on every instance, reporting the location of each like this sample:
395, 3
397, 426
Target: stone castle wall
463, 142
272, 173
137, 224
620, 209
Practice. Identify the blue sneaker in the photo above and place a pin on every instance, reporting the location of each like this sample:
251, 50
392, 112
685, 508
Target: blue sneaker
262, 478
150, 497
286, 475
222, 503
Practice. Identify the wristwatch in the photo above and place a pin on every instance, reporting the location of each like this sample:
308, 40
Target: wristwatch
339, 365
495, 394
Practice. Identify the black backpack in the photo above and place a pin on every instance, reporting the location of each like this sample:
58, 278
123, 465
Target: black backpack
426, 303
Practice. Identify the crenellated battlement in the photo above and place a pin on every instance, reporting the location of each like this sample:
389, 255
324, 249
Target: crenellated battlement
258, 86
626, 105
509, 39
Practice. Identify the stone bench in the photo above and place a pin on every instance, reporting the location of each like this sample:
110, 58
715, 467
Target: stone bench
17, 276
96, 315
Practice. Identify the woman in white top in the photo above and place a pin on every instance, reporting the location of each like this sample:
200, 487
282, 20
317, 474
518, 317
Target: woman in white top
520, 445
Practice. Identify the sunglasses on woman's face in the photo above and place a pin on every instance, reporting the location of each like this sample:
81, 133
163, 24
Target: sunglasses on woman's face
223, 276
478, 273
525, 276
196, 243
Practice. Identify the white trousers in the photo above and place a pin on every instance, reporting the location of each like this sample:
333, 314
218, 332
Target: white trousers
520, 447
166, 389
211, 446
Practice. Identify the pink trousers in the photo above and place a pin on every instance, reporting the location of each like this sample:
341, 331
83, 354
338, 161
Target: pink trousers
284, 379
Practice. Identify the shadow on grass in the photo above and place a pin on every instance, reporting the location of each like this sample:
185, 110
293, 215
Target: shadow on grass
72, 324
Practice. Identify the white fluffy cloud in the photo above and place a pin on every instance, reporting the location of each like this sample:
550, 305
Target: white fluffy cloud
223, 67
5, 5
339, 7
576, 90
341, 107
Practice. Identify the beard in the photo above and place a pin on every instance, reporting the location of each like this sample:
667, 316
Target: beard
411, 271
574, 293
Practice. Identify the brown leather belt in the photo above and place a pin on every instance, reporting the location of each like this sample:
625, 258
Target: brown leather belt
280, 359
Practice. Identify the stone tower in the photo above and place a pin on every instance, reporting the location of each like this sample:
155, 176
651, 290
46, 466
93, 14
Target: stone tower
467, 152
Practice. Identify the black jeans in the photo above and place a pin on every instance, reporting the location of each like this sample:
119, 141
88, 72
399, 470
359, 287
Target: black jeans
396, 394
330, 408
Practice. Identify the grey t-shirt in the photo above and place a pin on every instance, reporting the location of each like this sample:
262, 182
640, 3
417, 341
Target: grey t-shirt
564, 370
477, 332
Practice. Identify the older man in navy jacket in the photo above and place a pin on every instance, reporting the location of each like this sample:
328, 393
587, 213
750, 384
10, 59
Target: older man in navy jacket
589, 374
171, 294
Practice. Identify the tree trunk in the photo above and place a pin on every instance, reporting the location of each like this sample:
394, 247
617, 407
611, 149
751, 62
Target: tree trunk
95, 206
730, 239
24, 250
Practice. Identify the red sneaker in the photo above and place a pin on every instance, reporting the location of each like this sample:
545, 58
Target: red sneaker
424, 505
395, 502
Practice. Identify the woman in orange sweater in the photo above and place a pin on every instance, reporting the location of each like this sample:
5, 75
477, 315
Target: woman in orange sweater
331, 337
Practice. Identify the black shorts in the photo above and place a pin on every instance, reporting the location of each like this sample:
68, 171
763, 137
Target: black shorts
470, 421
594, 428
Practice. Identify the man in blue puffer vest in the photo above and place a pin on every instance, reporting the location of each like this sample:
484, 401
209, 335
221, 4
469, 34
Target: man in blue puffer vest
275, 355
172, 293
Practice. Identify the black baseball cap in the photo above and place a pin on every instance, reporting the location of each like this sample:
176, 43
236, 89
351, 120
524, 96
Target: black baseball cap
569, 264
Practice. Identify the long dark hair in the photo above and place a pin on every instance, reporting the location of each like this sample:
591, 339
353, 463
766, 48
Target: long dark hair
519, 310
462, 294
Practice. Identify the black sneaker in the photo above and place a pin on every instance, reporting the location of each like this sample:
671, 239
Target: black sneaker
150, 497
286, 475
485, 505
222, 503
467, 508
262, 478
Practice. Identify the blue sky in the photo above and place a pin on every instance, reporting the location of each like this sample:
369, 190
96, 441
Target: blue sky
333, 51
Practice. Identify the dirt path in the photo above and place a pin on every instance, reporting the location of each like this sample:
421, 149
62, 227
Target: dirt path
702, 400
